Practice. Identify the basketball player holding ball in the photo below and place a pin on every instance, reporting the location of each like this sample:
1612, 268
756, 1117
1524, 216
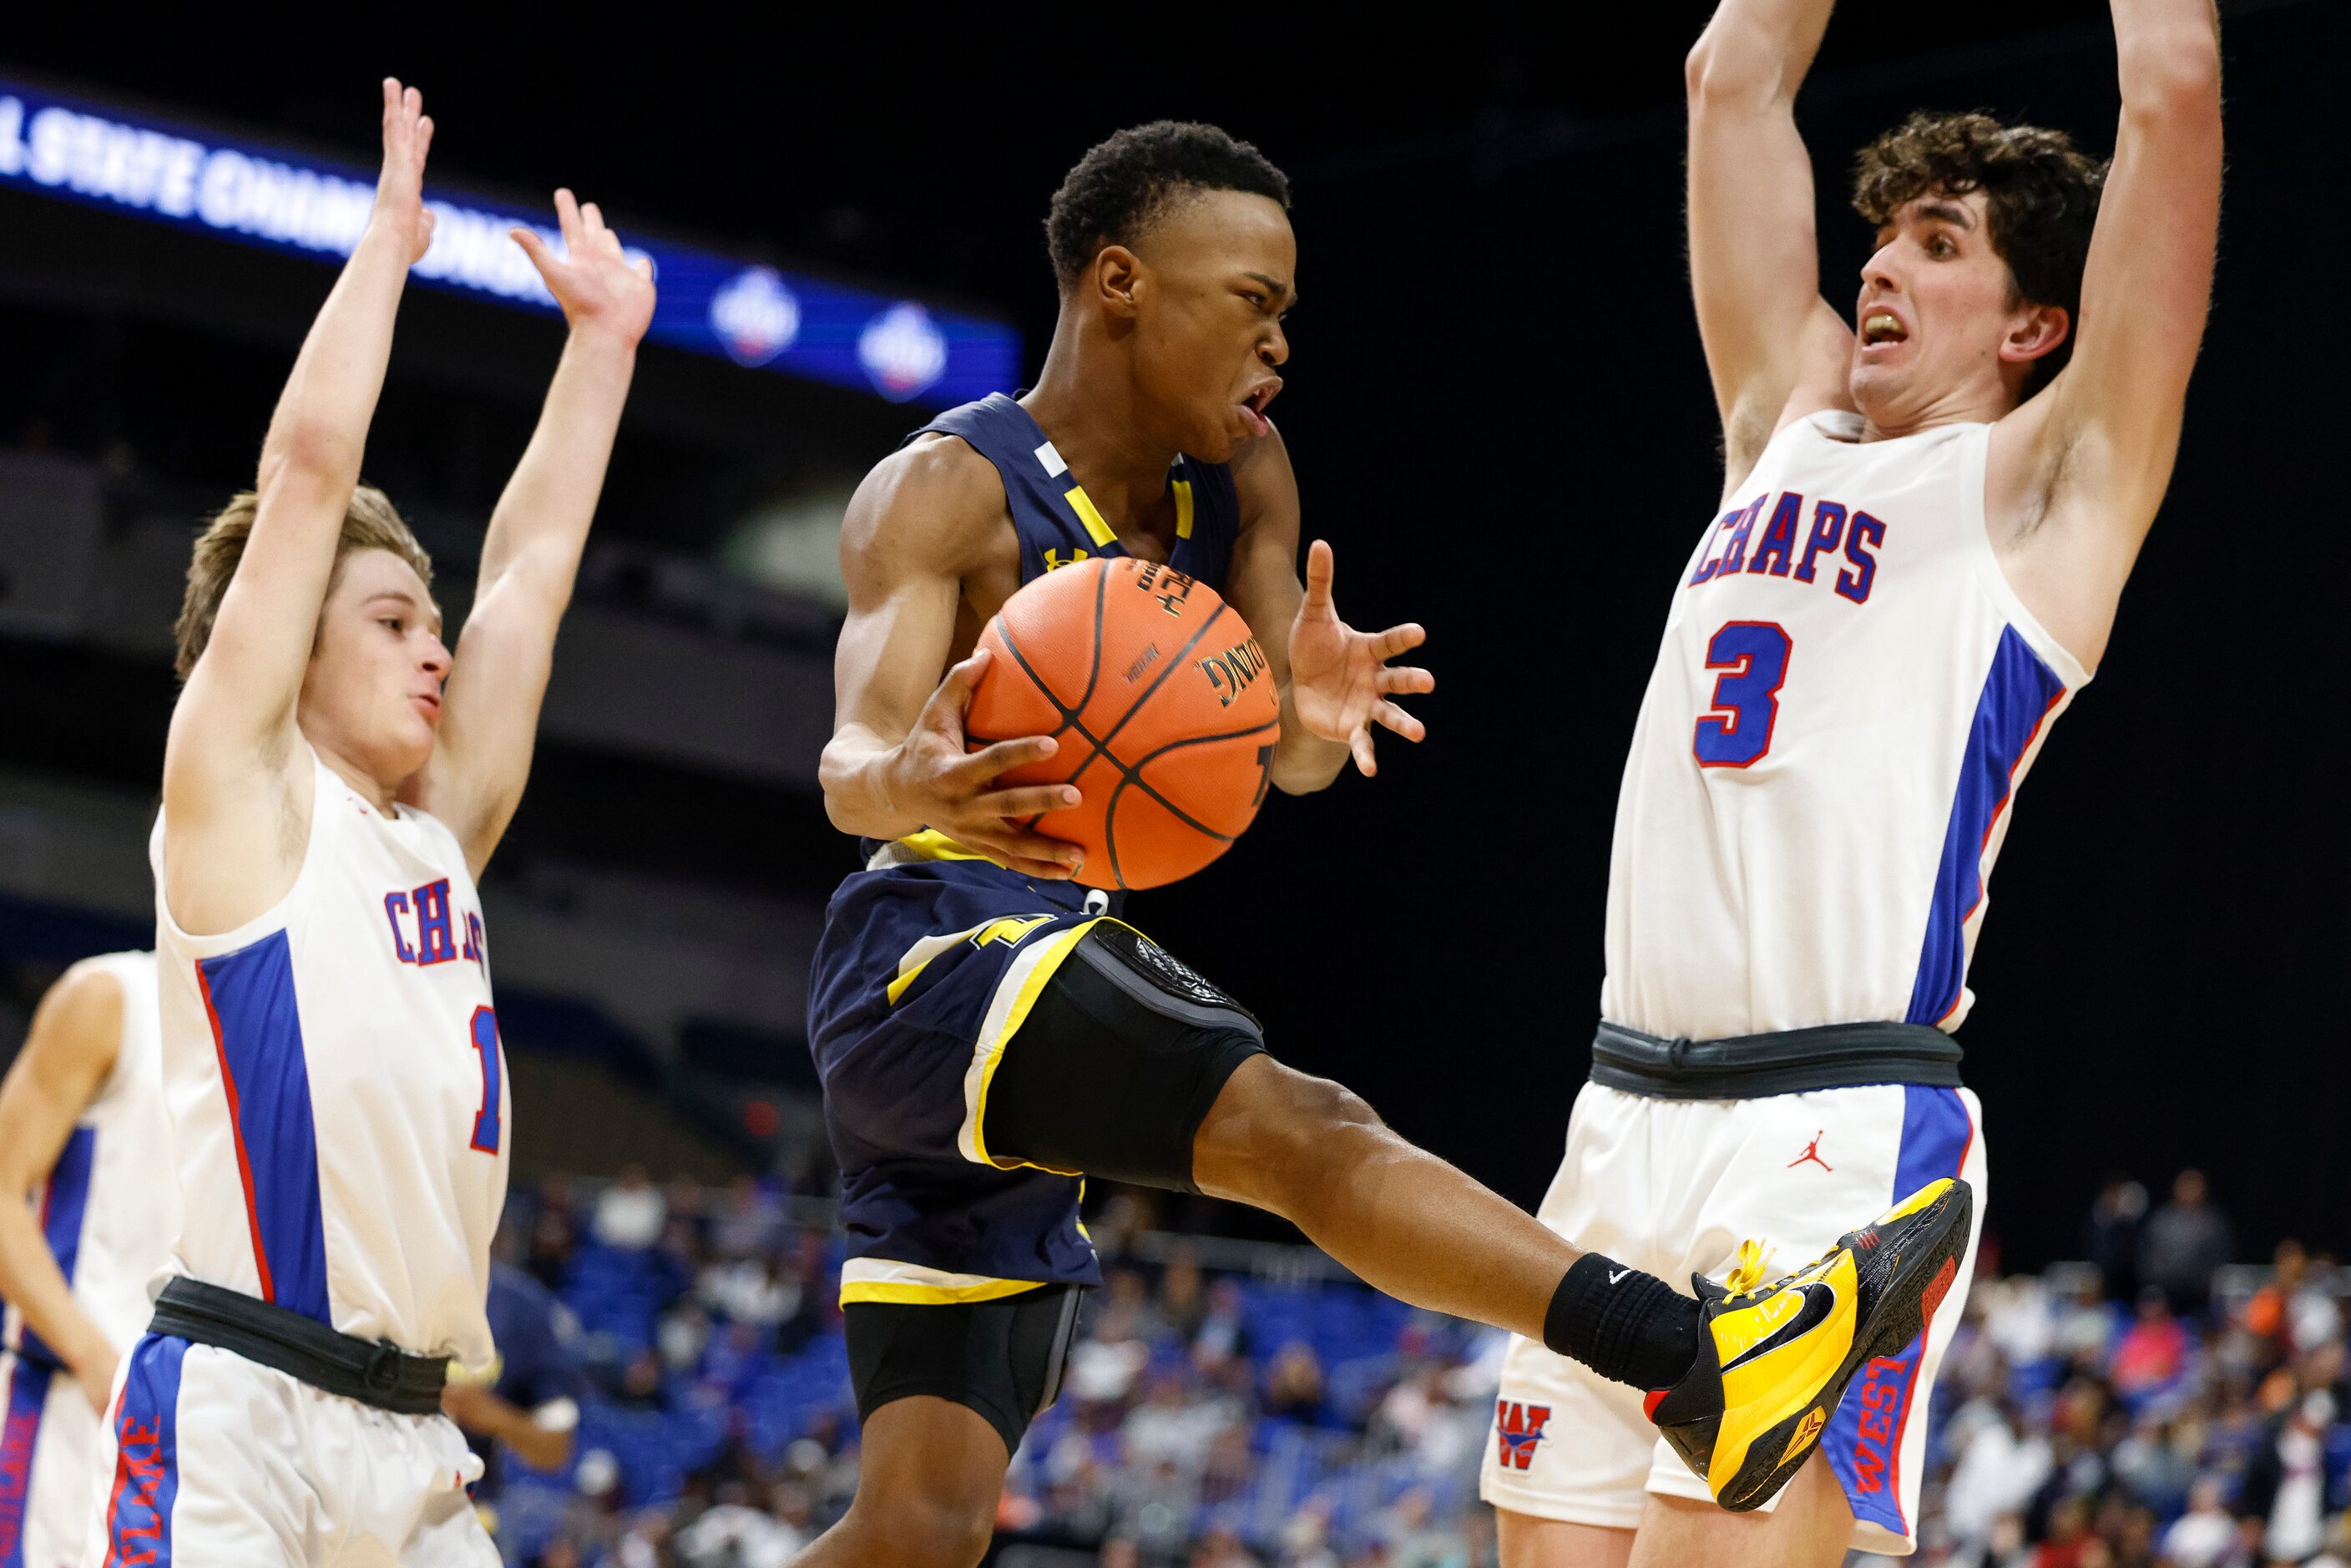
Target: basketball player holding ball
985, 1032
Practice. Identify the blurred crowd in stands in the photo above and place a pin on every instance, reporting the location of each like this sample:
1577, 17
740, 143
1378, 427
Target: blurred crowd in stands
2147, 1407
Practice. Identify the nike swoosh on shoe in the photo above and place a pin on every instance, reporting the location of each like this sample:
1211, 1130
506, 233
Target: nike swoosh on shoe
1820, 1301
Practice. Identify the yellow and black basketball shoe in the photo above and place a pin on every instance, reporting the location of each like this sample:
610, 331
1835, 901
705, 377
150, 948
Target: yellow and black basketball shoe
1774, 1359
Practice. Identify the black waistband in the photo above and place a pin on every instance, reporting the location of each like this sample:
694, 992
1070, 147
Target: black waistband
1751, 1066
379, 1374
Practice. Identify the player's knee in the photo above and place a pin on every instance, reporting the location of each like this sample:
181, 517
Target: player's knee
1328, 1109
916, 1531
949, 1536
1314, 1127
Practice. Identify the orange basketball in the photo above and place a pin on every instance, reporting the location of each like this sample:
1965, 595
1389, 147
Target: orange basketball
1161, 703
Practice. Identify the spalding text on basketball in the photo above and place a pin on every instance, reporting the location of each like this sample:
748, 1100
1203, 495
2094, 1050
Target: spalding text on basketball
1231, 671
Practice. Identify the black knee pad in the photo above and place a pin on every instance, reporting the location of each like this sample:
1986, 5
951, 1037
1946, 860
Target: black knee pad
1115, 1067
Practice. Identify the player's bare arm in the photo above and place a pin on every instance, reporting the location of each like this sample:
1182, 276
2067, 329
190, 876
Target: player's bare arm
236, 786
1774, 349
537, 533
480, 1411
926, 521
2074, 477
65, 1057
1335, 682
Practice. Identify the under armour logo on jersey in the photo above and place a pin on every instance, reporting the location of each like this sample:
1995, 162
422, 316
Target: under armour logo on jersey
1054, 561
1519, 1428
1812, 1153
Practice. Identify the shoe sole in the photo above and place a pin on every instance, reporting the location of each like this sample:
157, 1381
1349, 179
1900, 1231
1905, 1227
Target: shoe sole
1905, 1306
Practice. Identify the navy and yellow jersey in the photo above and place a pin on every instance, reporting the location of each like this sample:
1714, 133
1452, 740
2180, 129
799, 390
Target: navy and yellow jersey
1058, 521
931, 956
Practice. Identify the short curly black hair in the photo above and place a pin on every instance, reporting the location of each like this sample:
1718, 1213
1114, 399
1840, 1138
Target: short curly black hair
1126, 181
2042, 192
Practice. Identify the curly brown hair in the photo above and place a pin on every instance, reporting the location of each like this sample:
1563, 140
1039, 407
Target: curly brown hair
369, 522
2041, 192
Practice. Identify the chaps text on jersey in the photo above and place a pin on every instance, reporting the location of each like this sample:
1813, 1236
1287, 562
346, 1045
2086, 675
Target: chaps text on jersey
424, 912
1842, 534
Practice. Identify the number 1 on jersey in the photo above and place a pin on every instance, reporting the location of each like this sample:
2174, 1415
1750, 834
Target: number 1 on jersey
1753, 657
485, 1046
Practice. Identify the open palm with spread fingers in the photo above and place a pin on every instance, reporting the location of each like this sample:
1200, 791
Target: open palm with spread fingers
1341, 679
594, 281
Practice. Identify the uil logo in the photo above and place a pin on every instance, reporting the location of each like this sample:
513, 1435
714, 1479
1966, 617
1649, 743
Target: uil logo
903, 352
754, 316
1054, 561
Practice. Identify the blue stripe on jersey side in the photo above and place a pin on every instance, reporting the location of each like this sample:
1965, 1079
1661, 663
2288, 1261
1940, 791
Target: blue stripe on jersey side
1865, 1438
146, 1456
258, 1029
63, 1205
2018, 695
28, 1396
1936, 1133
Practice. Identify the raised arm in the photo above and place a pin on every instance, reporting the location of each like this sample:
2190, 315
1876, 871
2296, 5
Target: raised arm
917, 528
67, 1055
531, 555
2080, 471
231, 780
1335, 682
1754, 257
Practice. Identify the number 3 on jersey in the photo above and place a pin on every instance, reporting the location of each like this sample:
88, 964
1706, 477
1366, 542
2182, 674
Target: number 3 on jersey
1753, 658
485, 1046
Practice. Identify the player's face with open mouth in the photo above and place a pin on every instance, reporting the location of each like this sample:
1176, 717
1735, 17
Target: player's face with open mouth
1936, 305
372, 691
1221, 271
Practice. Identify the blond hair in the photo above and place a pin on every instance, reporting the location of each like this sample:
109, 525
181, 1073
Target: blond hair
369, 522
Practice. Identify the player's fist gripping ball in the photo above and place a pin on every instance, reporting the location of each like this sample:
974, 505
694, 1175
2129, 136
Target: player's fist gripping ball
1161, 703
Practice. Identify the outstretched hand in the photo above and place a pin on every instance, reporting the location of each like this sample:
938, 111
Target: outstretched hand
400, 188
594, 280
1340, 678
934, 777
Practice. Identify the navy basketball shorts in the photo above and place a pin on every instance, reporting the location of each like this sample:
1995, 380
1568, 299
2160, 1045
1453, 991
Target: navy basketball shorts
973, 1078
1674, 1186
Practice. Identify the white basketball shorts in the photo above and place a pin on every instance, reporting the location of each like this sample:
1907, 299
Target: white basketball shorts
46, 1448
1673, 1187
213, 1460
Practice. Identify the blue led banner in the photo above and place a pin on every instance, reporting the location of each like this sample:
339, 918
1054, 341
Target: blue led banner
756, 316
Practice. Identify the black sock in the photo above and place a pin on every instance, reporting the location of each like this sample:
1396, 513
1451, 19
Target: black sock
1627, 1326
